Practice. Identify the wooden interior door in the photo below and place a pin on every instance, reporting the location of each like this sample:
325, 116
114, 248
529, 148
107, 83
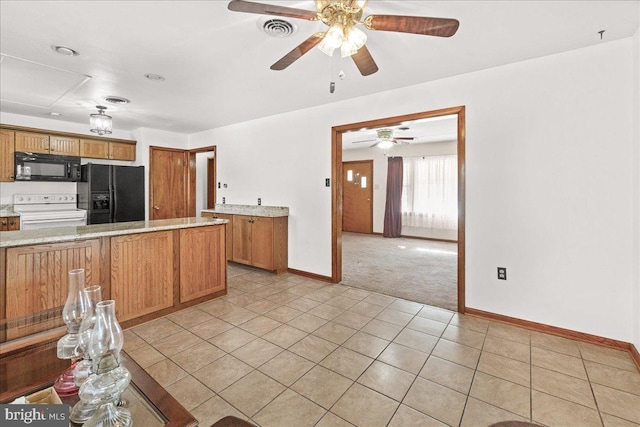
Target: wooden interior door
357, 199
168, 195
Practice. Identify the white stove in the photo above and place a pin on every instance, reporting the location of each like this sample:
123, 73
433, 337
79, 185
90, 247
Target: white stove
48, 210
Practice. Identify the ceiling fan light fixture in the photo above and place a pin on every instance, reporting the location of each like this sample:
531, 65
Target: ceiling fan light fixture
385, 144
332, 39
354, 39
100, 122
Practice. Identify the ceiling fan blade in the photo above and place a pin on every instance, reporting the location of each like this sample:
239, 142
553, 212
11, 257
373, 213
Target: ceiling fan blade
401, 141
371, 146
364, 140
269, 9
441, 27
364, 61
405, 138
298, 51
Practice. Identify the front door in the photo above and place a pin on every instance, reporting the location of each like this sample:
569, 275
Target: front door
357, 199
168, 178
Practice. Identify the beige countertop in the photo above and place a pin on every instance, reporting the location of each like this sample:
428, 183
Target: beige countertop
251, 210
67, 234
7, 210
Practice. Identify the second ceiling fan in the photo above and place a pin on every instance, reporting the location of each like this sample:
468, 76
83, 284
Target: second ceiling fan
342, 17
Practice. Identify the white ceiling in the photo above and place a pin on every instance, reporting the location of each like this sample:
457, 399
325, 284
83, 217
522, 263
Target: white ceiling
216, 62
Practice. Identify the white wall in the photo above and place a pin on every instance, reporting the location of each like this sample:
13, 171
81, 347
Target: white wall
380, 181
549, 181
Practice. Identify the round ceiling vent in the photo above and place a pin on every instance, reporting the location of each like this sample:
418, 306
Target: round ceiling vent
276, 27
64, 50
118, 100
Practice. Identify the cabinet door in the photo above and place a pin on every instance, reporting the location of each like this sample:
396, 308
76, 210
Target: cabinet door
142, 273
94, 149
242, 239
4, 223
32, 142
262, 243
122, 151
13, 223
64, 145
7, 159
37, 283
202, 262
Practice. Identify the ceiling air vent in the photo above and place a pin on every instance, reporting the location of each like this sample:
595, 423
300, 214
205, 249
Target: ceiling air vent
275, 27
117, 100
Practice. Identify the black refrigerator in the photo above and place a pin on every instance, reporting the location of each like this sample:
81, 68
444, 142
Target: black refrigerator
111, 193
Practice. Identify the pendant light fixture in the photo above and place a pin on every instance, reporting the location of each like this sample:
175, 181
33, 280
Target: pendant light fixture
100, 122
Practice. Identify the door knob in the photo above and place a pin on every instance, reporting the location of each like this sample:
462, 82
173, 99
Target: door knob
156, 207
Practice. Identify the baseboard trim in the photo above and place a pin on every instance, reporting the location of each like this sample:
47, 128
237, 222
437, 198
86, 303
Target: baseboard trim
310, 275
561, 332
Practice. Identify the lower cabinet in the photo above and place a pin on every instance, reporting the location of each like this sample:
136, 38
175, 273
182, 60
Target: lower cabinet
202, 262
261, 242
229, 233
9, 223
142, 273
37, 283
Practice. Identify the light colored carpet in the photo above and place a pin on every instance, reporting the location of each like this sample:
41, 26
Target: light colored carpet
418, 270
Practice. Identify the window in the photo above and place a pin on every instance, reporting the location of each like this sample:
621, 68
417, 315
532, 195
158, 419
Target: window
430, 192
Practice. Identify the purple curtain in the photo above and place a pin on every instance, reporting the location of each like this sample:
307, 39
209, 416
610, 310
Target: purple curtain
393, 208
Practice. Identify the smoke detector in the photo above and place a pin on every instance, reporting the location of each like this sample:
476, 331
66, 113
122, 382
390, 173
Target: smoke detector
276, 27
64, 50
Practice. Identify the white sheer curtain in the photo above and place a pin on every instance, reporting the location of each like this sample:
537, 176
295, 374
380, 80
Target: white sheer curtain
430, 192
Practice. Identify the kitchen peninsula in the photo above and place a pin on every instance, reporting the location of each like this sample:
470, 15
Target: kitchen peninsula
150, 268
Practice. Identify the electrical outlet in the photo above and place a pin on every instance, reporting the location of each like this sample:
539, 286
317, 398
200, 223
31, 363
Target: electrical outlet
327, 182
224, 185
223, 201
259, 201
502, 273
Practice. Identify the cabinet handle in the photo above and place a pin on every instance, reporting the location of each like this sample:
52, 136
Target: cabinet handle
12, 222
4, 222
11, 177
156, 207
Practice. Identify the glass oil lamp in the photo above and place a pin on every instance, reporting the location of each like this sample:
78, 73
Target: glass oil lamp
75, 309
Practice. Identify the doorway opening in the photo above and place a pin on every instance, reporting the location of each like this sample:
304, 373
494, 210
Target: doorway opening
338, 189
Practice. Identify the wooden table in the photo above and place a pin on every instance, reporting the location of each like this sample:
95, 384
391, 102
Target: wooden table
27, 372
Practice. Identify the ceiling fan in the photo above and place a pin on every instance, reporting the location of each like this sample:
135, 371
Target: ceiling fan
342, 18
386, 139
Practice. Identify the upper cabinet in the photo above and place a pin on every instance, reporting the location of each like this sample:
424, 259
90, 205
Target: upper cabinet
64, 145
96, 149
16, 138
32, 142
7, 140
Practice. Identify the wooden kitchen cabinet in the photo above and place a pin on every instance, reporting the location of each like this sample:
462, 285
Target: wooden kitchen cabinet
122, 151
37, 282
47, 144
9, 223
64, 145
229, 230
142, 273
96, 149
32, 142
7, 158
261, 242
202, 265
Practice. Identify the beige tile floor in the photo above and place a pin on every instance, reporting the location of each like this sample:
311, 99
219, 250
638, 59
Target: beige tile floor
291, 351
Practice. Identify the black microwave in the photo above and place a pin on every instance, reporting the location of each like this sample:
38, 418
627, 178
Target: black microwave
46, 167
